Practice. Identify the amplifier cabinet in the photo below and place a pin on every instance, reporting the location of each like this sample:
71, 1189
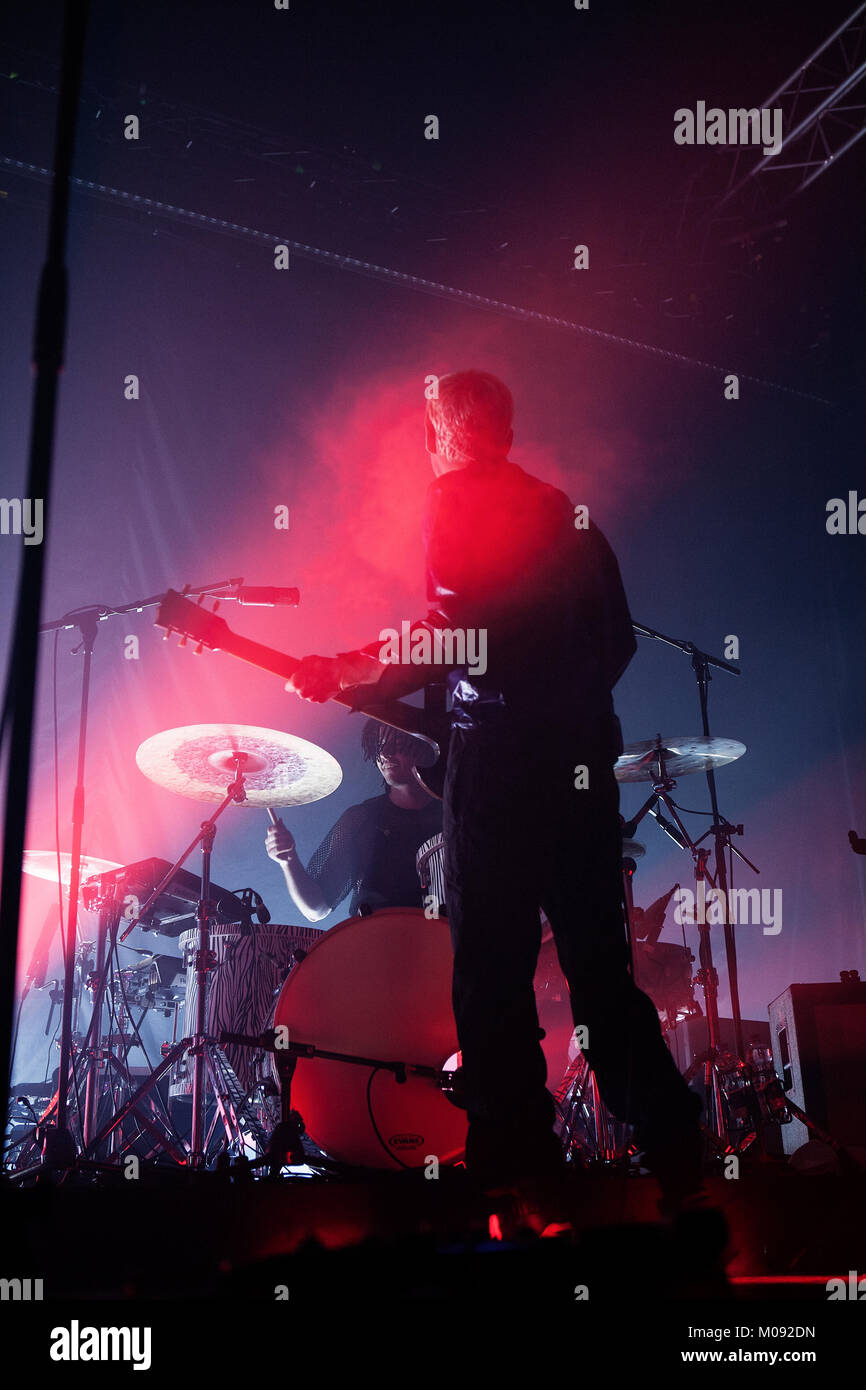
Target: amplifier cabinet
818, 1036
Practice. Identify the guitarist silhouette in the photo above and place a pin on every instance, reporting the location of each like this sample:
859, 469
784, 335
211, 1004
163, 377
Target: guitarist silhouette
530, 812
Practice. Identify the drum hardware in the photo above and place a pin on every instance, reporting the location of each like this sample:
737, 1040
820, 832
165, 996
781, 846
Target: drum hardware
267, 767
285, 1145
720, 829
60, 1149
652, 764
207, 1065
83, 968
588, 1132
657, 761
112, 1049
98, 1068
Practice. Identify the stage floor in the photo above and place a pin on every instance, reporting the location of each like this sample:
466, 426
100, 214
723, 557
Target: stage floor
172, 1234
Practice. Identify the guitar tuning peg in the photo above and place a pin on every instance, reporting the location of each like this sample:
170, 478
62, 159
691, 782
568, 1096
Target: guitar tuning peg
167, 634
197, 651
216, 605
182, 642
200, 600
185, 590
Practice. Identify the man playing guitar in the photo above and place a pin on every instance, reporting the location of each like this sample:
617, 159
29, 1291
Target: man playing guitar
530, 799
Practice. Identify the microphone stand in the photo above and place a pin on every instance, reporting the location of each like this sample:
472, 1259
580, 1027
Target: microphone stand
59, 1150
721, 832
707, 976
16, 727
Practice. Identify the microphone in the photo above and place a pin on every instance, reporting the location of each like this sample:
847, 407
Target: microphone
38, 967
669, 829
263, 597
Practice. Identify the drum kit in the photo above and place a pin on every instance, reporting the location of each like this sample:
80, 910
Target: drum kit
323, 1046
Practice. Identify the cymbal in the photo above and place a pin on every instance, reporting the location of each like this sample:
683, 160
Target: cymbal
42, 863
198, 760
640, 762
633, 849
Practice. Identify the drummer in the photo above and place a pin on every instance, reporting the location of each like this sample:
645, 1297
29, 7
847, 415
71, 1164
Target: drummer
370, 851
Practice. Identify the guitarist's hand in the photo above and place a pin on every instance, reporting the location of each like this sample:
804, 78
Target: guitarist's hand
320, 678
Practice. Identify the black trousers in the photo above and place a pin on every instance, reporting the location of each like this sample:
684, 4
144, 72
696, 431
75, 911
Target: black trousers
519, 835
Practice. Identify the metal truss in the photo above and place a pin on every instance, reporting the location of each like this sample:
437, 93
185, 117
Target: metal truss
824, 116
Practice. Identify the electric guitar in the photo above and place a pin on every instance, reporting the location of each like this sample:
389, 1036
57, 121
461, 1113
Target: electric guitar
194, 623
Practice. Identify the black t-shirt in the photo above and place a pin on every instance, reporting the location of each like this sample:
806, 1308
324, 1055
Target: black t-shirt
370, 853
504, 556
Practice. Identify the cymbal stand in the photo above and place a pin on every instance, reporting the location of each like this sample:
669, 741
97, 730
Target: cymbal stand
721, 831
59, 1149
207, 1066
584, 1123
707, 977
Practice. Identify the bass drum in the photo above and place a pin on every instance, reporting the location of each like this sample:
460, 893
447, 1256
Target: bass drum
378, 987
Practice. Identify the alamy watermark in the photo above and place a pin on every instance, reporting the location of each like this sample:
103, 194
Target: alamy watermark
752, 906
846, 519
426, 646
21, 1290
736, 126
22, 516
77, 1343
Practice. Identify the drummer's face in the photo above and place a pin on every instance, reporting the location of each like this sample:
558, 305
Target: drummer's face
396, 768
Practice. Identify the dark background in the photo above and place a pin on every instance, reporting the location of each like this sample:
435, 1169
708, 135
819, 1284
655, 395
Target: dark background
305, 388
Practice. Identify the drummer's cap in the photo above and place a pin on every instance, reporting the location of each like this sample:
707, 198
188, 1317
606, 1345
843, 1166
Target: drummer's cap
378, 738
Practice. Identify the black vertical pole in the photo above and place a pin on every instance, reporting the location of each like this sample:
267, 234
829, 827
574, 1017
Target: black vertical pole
50, 337
703, 675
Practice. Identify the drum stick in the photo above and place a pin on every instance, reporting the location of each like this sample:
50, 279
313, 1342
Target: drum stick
274, 820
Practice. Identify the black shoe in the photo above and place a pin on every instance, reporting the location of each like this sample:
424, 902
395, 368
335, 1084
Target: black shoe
676, 1162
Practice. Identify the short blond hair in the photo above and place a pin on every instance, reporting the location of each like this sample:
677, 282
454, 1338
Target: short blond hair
471, 414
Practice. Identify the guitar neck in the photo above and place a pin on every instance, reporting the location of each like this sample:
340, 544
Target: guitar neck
395, 713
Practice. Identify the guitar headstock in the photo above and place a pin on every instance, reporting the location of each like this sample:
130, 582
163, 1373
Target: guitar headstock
176, 613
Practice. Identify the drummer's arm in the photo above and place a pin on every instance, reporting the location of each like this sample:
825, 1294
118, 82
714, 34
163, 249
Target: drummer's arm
304, 891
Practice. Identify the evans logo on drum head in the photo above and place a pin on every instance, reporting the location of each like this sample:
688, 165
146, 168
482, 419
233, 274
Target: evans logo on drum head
406, 1141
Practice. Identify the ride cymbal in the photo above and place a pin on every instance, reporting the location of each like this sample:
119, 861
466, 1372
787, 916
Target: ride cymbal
199, 761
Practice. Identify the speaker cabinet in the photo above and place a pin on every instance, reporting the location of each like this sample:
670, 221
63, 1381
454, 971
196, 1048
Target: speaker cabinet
818, 1036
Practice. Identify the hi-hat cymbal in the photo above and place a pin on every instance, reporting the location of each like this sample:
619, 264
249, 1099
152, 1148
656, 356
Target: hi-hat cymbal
42, 863
643, 762
633, 849
198, 760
